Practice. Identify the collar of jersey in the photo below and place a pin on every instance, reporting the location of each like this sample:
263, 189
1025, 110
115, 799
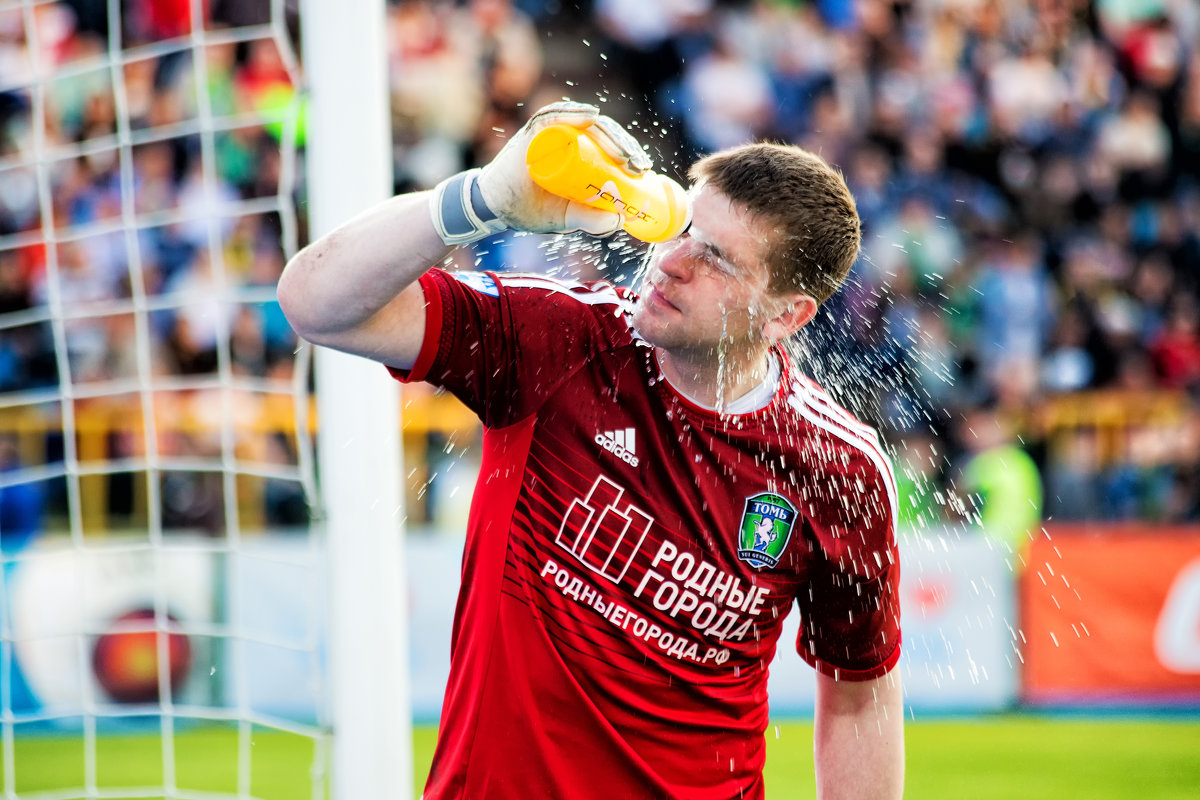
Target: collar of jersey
710, 417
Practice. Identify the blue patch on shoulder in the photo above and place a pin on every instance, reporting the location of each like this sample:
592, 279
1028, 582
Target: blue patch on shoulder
479, 281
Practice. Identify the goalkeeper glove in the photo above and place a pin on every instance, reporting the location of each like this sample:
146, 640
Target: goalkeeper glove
479, 202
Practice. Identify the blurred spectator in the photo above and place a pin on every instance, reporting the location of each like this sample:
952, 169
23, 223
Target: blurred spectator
1016, 303
799, 56
1137, 144
80, 282
286, 505
918, 476
915, 252
1068, 366
431, 135
1176, 350
1025, 92
1186, 148
21, 505
728, 97
198, 325
1001, 479
22, 508
1183, 500
1073, 486
502, 44
649, 40
485, 54
151, 20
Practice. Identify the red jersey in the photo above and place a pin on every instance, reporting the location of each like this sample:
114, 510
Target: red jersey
630, 556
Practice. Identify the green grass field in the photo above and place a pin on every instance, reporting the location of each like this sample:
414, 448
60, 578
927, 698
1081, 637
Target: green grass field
1004, 757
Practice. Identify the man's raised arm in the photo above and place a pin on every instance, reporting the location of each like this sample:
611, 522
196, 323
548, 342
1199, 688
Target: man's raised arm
355, 288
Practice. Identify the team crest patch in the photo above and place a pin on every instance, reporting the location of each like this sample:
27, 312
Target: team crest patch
766, 528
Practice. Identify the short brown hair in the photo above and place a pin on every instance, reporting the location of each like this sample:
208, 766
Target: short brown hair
804, 200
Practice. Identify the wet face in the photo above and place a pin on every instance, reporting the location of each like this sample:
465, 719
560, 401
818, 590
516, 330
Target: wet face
704, 295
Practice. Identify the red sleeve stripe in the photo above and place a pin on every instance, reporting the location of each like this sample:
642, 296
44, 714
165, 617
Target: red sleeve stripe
433, 327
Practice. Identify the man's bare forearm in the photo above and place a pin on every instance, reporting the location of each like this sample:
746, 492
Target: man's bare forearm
858, 742
344, 290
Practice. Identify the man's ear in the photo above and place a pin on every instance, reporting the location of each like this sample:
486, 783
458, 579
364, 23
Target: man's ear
795, 311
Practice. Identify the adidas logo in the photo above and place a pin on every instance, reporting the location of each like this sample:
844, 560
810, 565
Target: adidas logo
620, 444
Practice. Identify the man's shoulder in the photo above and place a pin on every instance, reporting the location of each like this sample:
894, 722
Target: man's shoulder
584, 293
837, 428
564, 303
815, 405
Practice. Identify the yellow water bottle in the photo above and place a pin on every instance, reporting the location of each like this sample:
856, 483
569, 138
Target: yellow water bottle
565, 161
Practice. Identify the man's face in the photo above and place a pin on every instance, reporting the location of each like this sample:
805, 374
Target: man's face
709, 284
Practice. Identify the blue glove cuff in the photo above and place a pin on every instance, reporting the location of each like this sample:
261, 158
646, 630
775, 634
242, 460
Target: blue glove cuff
459, 212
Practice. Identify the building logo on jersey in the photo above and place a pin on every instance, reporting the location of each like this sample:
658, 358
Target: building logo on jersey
603, 533
766, 528
620, 443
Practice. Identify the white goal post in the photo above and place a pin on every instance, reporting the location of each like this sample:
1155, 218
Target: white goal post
350, 168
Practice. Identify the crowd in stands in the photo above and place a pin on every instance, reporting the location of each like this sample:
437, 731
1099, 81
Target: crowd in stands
172, 198
126, 144
1027, 172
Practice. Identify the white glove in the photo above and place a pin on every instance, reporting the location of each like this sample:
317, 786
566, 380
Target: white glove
477, 203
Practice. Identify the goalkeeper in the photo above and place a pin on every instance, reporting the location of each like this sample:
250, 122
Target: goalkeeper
660, 484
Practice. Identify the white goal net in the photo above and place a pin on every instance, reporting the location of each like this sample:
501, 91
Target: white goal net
162, 594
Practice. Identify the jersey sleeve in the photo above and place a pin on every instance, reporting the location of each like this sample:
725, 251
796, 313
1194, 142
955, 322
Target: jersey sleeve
503, 344
850, 607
